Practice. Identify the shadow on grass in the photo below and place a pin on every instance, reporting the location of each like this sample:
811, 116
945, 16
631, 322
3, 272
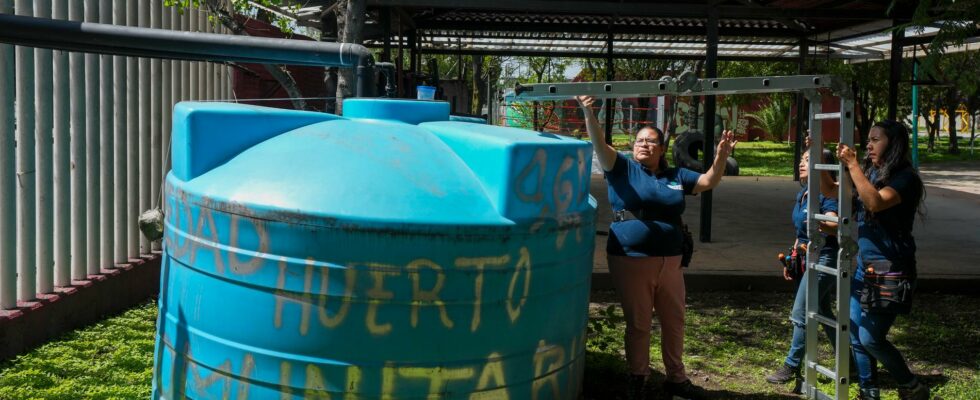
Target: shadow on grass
605, 379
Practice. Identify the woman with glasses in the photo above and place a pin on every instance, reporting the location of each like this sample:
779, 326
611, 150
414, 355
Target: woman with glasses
644, 246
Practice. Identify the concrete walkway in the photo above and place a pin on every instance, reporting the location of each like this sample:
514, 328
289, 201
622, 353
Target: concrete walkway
751, 224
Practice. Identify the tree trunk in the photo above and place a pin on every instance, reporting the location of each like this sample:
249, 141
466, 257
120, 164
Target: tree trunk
278, 72
350, 29
954, 147
480, 84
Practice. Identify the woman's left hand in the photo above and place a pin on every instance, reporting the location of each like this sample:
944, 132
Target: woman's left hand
726, 145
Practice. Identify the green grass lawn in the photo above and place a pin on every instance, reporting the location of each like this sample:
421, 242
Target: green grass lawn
733, 340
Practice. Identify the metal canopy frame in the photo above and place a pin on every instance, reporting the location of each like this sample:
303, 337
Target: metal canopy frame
810, 86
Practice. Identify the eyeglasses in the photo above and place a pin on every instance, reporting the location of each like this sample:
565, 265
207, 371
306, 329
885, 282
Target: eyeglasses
646, 141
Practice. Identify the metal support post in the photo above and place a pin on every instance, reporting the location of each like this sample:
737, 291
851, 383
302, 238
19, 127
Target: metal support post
711, 72
895, 71
800, 110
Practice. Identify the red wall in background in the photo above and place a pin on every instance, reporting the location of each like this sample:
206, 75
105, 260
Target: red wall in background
251, 82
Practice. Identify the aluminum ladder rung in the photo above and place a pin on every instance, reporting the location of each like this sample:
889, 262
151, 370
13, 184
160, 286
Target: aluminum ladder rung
823, 320
827, 218
827, 167
833, 115
822, 370
823, 268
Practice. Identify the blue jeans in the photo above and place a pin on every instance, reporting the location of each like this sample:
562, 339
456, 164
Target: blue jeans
825, 286
869, 342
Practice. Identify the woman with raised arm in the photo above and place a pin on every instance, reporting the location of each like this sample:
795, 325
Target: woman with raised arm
645, 245
889, 194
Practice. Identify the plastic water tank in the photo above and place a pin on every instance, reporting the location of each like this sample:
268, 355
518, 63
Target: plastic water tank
387, 254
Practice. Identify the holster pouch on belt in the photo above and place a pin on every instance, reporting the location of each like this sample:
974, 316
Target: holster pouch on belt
687, 240
888, 287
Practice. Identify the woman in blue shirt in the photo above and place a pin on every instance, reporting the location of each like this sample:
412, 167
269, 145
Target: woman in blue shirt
644, 246
889, 193
828, 256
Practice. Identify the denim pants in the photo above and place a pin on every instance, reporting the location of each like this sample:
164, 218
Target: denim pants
869, 342
825, 289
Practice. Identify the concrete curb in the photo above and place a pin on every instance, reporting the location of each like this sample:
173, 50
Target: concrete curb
34, 323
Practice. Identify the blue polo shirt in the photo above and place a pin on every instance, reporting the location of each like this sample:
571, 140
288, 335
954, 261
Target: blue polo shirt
827, 204
887, 235
659, 197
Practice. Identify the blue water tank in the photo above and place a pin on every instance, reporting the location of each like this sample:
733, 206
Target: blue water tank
387, 254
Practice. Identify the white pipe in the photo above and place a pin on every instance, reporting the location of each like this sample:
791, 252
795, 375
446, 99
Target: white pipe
62, 187
139, 16
119, 145
156, 97
145, 123
166, 104
44, 114
194, 76
132, 138
175, 83
106, 209
79, 203
26, 240
92, 147
8, 181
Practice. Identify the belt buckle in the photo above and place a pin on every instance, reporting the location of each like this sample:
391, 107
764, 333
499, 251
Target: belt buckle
619, 216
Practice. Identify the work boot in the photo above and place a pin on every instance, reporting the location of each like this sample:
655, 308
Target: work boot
784, 374
686, 390
636, 388
869, 394
918, 391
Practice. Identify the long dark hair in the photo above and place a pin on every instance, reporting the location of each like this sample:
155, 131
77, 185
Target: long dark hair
662, 141
895, 158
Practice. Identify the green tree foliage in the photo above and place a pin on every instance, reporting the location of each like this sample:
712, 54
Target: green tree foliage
536, 115
957, 21
774, 118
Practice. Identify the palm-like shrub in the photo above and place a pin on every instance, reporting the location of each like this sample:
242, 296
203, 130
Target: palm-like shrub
773, 119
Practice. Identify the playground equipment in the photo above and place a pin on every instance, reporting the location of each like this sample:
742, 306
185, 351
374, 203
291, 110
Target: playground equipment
811, 87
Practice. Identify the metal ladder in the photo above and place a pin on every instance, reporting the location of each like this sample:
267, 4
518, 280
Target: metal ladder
688, 85
845, 233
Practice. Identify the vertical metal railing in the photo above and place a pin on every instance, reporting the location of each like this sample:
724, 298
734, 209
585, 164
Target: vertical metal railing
92, 149
43, 174
84, 142
79, 230
25, 173
61, 215
8, 168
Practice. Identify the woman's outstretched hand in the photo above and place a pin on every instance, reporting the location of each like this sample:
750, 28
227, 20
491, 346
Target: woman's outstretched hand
726, 145
585, 101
